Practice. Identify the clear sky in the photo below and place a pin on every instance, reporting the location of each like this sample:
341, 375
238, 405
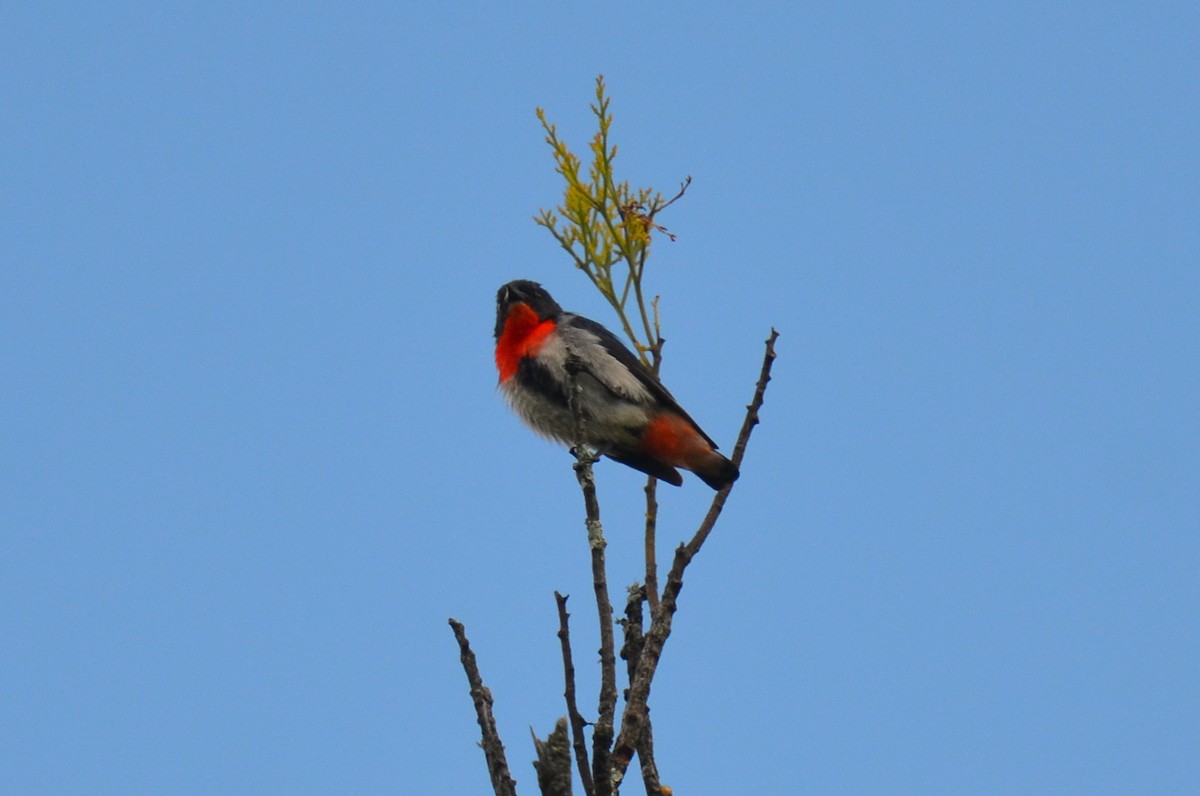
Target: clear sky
252, 456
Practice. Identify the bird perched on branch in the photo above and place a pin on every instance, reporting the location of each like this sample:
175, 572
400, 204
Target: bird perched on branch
572, 380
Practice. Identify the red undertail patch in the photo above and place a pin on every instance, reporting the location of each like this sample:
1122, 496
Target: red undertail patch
670, 438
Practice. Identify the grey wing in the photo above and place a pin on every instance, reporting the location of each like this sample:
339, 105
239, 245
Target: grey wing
607, 359
593, 350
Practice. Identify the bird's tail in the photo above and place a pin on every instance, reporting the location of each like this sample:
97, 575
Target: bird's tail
714, 469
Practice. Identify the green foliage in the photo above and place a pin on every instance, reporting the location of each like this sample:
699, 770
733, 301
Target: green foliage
604, 225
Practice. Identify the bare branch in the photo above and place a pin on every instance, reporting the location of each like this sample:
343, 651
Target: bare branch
493, 750
577, 722
636, 714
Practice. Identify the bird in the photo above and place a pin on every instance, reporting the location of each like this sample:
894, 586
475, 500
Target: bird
571, 380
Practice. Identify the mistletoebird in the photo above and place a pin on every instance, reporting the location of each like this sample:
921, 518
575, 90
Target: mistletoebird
544, 355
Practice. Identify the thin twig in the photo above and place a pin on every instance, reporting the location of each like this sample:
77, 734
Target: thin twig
683, 186
636, 714
493, 750
652, 482
656, 349
577, 722
651, 554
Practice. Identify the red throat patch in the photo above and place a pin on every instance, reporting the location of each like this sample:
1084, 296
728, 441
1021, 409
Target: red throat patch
523, 336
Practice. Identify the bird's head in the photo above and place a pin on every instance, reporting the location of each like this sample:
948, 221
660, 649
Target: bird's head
531, 294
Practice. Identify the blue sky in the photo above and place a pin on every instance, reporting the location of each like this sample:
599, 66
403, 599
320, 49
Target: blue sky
252, 456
